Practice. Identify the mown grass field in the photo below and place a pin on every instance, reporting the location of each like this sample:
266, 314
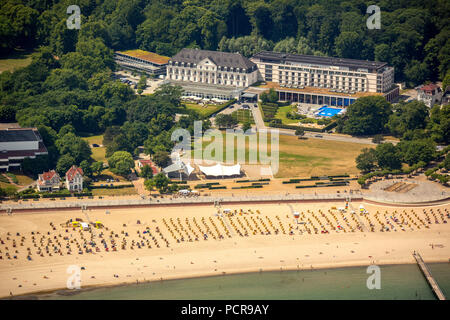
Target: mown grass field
302, 157
114, 192
203, 110
23, 179
15, 61
282, 112
98, 153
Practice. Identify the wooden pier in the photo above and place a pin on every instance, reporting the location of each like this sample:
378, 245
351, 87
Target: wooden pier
426, 272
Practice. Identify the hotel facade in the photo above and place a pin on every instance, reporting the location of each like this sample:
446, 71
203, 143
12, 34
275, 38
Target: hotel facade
324, 80
211, 74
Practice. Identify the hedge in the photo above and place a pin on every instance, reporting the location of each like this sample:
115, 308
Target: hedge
240, 181
286, 126
322, 185
226, 105
215, 188
292, 127
340, 176
121, 186
206, 185
248, 187
29, 196
178, 182
330, 126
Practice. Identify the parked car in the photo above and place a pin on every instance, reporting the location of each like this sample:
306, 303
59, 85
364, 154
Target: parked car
318, 136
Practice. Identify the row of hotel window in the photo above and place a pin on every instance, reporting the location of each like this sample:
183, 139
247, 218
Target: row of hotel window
318, 71
208, 80
311, 77
336, 82
213, 68
207, 74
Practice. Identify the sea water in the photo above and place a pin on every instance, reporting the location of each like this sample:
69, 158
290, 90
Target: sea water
397, 282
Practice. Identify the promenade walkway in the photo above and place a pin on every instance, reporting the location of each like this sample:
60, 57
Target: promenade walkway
148, 201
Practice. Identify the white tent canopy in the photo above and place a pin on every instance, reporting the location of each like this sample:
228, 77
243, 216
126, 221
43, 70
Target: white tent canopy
179, 166
221, 170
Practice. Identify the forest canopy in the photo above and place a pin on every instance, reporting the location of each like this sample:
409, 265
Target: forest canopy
414, 35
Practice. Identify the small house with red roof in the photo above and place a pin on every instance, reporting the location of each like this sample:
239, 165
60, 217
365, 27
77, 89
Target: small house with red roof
74, 179
49, 181
143, 162
430, 94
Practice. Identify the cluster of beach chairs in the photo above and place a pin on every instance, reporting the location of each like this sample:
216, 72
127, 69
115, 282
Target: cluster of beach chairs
62, 240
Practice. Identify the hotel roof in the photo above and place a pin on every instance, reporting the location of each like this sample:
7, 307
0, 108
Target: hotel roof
18, 135
146, 55
279, 57
222, 59
318, 91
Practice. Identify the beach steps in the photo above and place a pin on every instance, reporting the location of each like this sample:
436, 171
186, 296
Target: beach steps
401, 187
426, 272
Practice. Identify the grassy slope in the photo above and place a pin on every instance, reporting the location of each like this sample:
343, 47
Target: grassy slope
203, 110
300, 158
15, 61
98, 153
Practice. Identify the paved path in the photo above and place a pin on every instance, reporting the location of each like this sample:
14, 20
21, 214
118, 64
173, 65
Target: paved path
209, 200
260, 125
333, 137
257, 116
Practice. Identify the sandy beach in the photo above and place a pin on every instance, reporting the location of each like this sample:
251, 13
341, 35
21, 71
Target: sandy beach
151, 244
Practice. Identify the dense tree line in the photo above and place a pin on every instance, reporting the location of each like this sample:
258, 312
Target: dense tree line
67, 91
414, 35
406, 120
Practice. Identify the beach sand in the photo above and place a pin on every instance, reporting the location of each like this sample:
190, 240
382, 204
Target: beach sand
232, 254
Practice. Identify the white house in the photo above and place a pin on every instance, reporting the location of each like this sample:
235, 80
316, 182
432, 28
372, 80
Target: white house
74, 179
430, 94
49, 181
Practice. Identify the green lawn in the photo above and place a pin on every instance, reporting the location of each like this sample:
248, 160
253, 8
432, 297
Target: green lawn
94, 139
15, 61
243, 115
98, 153
114, 192
204, 111
283, 111
306, 157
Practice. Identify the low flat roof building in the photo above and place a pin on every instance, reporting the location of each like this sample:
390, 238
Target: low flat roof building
142, 61
325, 77
17, 144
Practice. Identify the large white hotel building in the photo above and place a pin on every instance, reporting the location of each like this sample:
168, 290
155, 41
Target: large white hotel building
296, 78
324, 80
211, 74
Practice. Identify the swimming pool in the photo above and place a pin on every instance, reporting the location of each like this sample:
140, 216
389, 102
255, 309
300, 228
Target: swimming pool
326, 111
